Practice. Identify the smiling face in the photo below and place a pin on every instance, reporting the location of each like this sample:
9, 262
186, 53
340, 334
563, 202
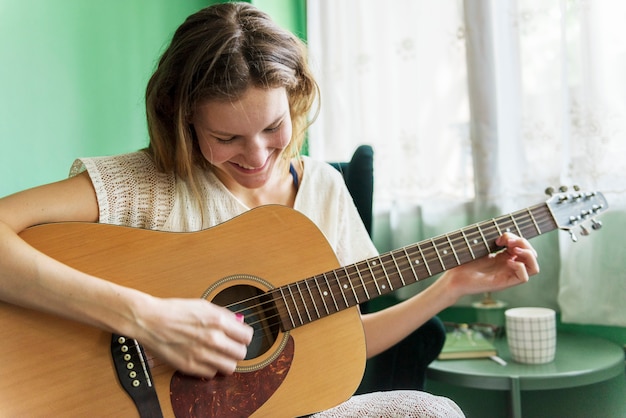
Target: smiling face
244, 139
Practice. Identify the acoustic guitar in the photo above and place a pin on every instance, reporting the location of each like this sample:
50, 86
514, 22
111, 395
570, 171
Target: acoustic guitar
273, 265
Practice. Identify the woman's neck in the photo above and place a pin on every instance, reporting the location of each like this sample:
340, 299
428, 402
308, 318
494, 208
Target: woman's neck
281, 189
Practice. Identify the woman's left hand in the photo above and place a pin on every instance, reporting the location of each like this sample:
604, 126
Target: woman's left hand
513, 265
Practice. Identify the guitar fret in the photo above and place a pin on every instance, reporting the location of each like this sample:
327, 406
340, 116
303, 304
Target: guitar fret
477, 241
496, 225
323, 295
528, 226
458, 262
367, 294
304, 303
506, 226
519, 232
331, 293
395, 263
376, 265
384, 270
546, 218
340, 288
410, 260
446, 252
408, 276
530, 213
419, 263
491, 232
443, 266
295, 303
293, 323
351, 285
348, 287
469, 247
483, 237
317, 312
461, 251
419, 247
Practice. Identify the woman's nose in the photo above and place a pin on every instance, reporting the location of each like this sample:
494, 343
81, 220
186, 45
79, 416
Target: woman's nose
256, 151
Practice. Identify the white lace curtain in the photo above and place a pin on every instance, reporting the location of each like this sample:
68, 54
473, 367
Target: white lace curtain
473, 109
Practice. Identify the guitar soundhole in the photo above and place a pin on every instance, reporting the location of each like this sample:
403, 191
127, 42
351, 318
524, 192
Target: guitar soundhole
259, 311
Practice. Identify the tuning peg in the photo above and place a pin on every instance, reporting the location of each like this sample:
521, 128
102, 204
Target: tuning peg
573, 236
549, 191
584, 231
595, 225
576, 188
563, 189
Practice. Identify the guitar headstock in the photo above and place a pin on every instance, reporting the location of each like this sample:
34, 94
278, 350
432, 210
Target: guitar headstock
576, 209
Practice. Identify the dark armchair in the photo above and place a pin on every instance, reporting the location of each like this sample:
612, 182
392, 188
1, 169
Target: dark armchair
403, 366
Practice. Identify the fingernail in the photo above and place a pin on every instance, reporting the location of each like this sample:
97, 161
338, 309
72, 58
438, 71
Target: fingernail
239, 317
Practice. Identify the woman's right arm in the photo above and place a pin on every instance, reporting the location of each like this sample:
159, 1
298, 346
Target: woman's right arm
194, 336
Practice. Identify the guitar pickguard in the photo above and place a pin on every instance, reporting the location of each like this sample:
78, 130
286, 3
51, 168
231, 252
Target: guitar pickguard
238, 395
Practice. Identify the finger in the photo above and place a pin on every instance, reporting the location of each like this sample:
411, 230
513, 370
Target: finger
240, 331
510, 241
220, 355
208, 366
527, 257
519, 270
231, 323
221, 364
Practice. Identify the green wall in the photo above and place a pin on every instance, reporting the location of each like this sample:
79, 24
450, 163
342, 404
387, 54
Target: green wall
72, 80
73, 75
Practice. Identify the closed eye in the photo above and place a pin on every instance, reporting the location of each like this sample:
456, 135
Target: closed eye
274, 128
218, 139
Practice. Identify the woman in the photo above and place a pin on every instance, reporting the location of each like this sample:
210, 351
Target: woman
227, 111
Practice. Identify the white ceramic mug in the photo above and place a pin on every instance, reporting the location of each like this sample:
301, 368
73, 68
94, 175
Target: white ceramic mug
531, 334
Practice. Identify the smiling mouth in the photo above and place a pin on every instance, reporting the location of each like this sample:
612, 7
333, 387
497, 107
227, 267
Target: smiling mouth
244, 167
248, 169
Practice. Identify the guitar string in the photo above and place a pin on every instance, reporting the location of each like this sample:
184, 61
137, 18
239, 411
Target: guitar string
529, 220
430, 256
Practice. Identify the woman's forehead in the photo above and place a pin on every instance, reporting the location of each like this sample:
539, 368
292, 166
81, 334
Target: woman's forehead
255, 106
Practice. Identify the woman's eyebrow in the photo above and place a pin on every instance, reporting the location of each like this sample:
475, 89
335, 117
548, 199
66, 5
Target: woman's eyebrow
224, 133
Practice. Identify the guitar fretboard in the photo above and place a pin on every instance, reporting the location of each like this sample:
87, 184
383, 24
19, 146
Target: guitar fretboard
307, 300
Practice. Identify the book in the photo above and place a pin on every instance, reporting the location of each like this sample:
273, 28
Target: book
466, 344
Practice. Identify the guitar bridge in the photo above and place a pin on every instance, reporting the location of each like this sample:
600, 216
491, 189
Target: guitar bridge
133, 373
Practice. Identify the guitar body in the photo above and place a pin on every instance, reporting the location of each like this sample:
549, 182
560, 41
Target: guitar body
57, 367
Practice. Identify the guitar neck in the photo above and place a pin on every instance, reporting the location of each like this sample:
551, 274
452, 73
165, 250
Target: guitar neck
316, 297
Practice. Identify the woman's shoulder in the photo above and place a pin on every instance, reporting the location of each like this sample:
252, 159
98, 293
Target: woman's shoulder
130, 189
321, 182
321, 170
132, 161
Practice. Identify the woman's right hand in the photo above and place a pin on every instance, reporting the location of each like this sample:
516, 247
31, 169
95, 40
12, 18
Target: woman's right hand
193, 335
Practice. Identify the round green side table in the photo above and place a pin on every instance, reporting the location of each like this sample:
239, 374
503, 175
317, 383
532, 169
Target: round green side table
580, 360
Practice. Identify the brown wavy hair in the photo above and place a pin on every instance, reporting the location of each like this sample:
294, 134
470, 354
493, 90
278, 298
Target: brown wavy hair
218, 53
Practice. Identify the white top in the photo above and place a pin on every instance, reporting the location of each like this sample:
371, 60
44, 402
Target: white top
132, 192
